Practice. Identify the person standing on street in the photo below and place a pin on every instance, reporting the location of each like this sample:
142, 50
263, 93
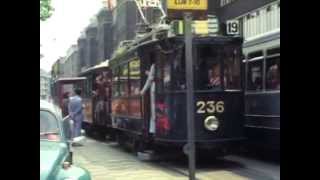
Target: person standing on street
65, 104
76, 112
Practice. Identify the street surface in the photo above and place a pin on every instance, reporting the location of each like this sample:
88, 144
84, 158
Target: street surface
108, 161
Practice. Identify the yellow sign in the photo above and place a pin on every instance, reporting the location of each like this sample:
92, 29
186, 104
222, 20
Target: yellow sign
201, 27
187, 4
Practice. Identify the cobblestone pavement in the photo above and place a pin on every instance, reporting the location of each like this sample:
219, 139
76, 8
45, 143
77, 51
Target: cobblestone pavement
108, 161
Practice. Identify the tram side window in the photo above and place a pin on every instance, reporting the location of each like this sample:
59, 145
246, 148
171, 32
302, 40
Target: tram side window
159, 73
134, 67
232, 68
115, 83
273, 73
178, 70
254, 75
123, 80
101, 82
170, 72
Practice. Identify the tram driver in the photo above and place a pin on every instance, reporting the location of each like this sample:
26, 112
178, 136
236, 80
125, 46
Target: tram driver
215, 76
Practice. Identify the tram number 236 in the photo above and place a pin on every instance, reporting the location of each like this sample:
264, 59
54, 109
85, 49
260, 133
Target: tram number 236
210, 107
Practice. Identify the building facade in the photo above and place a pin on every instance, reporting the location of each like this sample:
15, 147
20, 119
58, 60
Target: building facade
45, 81
71, 64
91, 48
104, 35
82, 45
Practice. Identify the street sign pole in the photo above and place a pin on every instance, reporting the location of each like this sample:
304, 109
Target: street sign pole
190, 94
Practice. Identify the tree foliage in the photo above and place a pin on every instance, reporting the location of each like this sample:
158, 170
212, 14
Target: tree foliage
45, 9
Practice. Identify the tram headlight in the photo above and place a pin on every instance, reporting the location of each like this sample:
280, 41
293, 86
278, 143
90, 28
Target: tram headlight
211, 123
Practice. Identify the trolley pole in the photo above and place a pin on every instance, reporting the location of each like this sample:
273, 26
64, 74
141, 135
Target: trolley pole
190, 95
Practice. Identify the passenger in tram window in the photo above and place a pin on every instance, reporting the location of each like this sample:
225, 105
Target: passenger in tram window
214, 76
273, 77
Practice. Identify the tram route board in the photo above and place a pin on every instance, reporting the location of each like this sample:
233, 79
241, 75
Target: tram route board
177, 8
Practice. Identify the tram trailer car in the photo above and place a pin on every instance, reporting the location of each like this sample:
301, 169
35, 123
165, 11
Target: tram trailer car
218, 102
66, 85
97, 99
262, 99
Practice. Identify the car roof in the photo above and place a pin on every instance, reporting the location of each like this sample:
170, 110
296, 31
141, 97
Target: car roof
50, 107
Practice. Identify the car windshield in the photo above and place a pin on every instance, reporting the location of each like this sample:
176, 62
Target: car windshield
49, 128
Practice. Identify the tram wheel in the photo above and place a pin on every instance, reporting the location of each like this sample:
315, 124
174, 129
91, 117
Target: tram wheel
120, 140
139, 146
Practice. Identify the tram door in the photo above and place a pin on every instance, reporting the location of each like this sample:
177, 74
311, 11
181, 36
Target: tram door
87, 100
101, 97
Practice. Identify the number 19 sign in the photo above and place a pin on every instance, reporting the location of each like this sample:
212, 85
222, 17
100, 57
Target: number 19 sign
176, 8
233, 27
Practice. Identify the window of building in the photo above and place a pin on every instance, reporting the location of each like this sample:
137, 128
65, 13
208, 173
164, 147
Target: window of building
268, 8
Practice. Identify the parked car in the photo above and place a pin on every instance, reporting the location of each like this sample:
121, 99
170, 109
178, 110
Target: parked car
55, 146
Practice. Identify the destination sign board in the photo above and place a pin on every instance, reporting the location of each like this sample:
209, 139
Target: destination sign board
198, 8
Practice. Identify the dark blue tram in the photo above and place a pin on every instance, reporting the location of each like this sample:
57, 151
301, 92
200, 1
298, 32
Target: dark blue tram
262, 98
158, 116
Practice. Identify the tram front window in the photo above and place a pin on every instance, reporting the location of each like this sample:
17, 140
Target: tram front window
208, 71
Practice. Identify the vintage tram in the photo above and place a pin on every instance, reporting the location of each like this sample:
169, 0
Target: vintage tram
97, 99
62, 88
262, 97
218, 92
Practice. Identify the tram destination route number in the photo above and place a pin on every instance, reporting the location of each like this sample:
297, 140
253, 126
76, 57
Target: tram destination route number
233, 27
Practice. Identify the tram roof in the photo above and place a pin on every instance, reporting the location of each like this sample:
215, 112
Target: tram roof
103, 64
203, 39
71, 79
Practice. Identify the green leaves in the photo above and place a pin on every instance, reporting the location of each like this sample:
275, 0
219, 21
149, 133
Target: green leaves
45, 9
